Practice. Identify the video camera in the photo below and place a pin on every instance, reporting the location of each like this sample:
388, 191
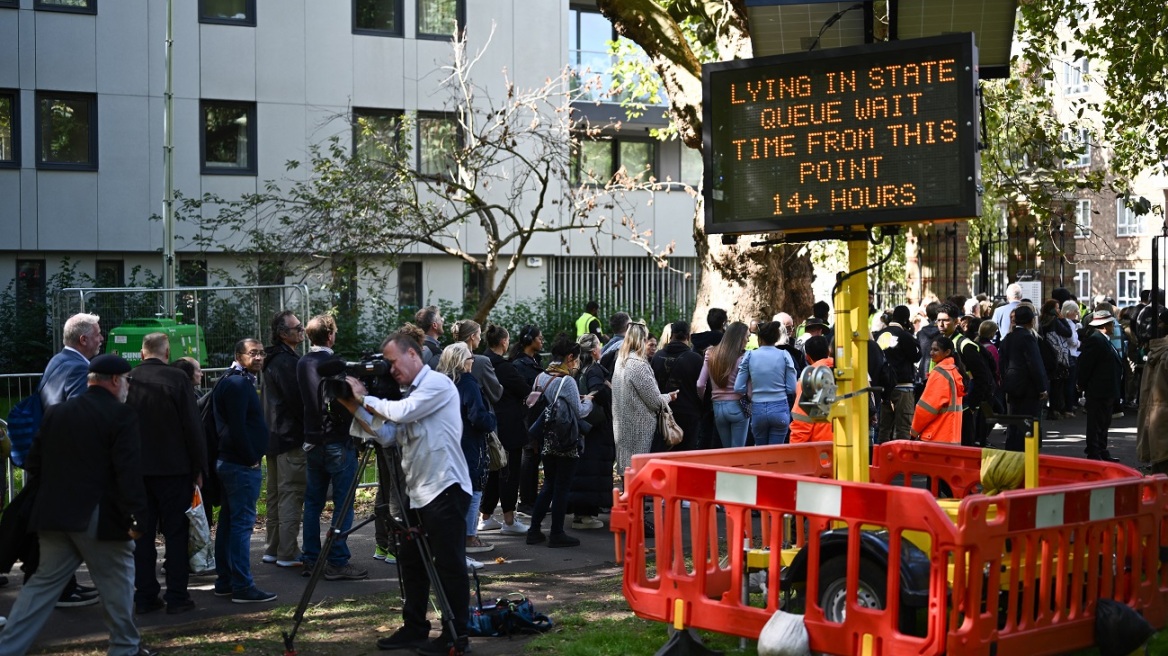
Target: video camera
372, 370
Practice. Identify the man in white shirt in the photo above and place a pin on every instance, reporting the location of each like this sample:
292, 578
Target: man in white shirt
1002, 313
427, 424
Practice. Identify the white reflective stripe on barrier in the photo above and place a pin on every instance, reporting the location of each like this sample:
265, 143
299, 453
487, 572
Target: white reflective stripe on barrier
1049, 510
736, 488
1103, 503
818, 499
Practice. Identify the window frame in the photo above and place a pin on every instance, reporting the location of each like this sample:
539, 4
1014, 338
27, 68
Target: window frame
14, 121
418, 117
249, 21
117, 266
357, 113
399, 29
47, 5
252, 167
417, 269
1083, 218
1082, 282
1079, 70
460, 20
189, 269
23, 297
92, 119
1083, 159
1143, 281
9, 4
575, 170
1136, 225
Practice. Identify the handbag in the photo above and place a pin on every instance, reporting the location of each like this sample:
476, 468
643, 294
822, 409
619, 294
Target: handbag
495, 452
667, 426
200, 547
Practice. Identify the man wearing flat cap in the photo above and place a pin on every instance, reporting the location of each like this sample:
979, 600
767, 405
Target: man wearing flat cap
1099, 378
86, 463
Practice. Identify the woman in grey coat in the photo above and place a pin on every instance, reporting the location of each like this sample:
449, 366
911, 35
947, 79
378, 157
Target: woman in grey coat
635, 398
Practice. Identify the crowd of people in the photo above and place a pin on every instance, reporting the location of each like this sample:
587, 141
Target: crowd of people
942, 373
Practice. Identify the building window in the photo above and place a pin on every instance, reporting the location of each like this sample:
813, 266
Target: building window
30, 283
1083, 285
377, 17
1128, 283
67, 130
9, 128
1127, 222
1083, 218
229, 137
77, 6
597, 161
438, 19
192, 273
591, 39
9, 3
692, 167
1078, 145
474, 284
375, 132
228, 12
438, 142
109, 273
1075, 76
409, 286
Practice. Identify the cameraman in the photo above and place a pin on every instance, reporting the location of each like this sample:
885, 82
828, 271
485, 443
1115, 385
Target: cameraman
438, 487
331, 456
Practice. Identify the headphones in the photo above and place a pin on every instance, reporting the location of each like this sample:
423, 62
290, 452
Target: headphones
528, 335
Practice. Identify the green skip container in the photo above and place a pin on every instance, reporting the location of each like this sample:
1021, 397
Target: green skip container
185, 339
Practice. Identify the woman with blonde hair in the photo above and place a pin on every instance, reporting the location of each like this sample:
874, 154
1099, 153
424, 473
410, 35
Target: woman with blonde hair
636, 398
484, 372
718, 372
477, 421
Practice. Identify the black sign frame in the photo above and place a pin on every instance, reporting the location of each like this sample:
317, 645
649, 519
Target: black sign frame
723, 217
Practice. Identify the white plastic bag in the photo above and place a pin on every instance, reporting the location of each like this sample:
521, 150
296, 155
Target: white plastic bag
784, 635
200, 547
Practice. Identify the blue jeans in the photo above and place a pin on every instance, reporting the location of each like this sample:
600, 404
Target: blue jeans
770, 422
731, 423
335, 463
237, 516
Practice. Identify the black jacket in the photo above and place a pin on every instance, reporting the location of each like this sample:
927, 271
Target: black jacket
592, 482
283, 406
87, 456
243, 433
509, 408
677, 367
321, 425
1020, 349
1099, 367
703, 341
903, 355
168, 422
976, 365
528, 367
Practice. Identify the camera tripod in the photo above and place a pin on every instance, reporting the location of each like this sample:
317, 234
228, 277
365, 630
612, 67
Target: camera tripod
391, 461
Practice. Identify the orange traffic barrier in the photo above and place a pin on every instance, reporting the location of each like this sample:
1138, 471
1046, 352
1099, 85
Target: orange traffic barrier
882, 569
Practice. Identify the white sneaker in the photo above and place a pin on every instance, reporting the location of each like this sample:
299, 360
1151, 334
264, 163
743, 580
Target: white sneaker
490, 524
471, 563
585, 522
515, 528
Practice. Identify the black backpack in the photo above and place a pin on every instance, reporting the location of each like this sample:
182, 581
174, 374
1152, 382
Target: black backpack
560, 431
206, 406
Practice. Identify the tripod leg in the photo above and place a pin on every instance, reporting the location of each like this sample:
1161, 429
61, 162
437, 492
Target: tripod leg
334, 534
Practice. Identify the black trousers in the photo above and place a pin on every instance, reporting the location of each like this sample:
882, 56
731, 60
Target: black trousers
167, 500
444, 522
529, 477
503, 485
1016, 435
1098, 424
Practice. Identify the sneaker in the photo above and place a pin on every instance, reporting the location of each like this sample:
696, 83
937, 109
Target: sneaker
74, 600
143, 607
478, 546
586, 522
489, 524
514, 528
269, 559
252, 595
222, 589
179, 607
3, 621
444, 646
471, 563
347, 572
85, 590
289, 563
523, 511
380, 553
562, 540
391, 559
535, 536
405, 638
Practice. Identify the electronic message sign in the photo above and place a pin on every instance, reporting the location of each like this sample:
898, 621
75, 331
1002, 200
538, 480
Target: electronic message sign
875, 134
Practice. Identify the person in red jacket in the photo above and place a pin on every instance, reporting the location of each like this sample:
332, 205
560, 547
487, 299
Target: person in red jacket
938, 413
802, 428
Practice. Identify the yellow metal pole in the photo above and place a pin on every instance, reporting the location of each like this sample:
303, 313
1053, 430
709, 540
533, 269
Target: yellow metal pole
851, 367
1031, 450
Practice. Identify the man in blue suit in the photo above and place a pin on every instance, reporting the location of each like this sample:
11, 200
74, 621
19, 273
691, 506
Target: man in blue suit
66, 378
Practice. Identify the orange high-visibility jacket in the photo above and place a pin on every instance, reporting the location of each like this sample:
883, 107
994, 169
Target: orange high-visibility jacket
938, 414
802, 428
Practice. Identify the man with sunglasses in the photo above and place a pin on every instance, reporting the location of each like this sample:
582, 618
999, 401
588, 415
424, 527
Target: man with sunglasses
287, 461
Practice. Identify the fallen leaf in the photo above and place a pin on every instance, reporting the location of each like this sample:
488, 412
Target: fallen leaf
500, 560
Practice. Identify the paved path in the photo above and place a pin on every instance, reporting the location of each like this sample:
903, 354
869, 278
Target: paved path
596, 552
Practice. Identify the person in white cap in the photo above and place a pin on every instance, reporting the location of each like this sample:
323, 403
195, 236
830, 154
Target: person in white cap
1099, 378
